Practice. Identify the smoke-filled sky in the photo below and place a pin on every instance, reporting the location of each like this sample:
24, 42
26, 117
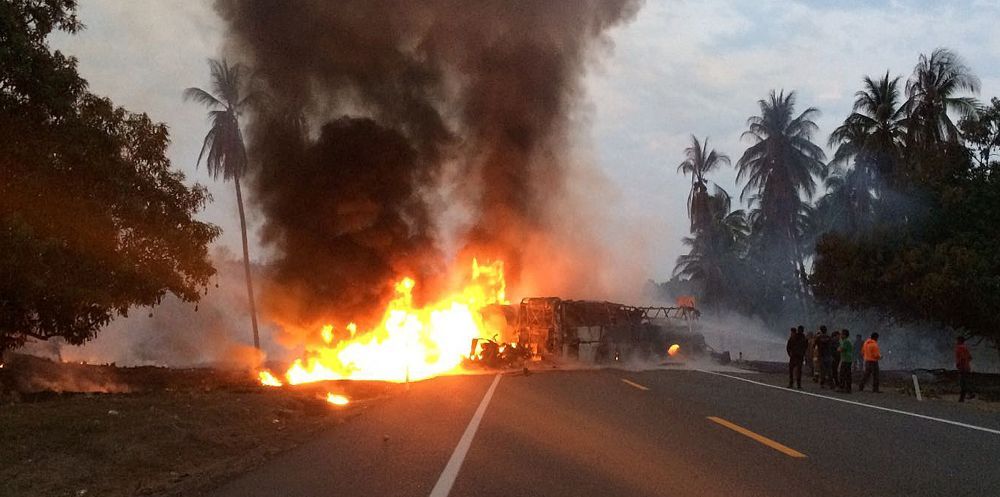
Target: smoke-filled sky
394, 127
679, 67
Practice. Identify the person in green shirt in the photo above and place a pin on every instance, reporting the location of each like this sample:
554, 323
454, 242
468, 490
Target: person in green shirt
846, 351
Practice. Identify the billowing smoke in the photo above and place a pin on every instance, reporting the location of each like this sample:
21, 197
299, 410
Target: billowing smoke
398, 132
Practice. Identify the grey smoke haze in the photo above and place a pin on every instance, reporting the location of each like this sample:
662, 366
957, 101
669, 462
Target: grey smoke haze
378, 107
216, 331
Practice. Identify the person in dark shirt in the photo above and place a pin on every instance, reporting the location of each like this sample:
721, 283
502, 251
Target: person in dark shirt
824, 343
796, 349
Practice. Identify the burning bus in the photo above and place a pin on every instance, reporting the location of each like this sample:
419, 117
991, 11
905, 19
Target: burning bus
585, 330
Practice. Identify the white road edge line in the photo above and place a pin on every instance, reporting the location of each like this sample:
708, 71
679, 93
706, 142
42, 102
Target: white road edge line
447, 478
880, 408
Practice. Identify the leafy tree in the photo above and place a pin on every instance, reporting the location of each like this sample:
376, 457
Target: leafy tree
92, 219
945, 271
226, 151
942, 266
700, 161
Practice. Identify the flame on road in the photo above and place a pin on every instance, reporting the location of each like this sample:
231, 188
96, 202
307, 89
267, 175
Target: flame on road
337, 399
409, 343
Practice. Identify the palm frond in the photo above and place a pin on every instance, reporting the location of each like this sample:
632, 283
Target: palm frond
223, 149
202, 97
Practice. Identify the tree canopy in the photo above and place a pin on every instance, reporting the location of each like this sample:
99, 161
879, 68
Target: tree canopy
904, 223
93, 220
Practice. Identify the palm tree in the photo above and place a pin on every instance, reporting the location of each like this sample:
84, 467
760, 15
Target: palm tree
699, 162
223, 149
873, 135
848, 206
715, 258
780, 168
932, 92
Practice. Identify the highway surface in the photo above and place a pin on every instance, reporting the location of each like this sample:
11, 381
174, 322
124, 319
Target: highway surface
620, 433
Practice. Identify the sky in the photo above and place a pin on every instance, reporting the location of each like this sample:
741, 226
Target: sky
680, 67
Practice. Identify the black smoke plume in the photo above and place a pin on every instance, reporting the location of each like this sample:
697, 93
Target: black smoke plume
375, 104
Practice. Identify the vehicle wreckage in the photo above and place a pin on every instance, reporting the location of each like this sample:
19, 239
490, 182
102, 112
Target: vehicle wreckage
596, 332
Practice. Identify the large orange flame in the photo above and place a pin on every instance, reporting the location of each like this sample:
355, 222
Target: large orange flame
409, 343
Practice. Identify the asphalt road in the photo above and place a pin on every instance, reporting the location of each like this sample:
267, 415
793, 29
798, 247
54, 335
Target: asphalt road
620, 433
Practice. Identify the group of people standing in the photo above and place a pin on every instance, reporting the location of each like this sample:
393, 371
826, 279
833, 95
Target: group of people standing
831, 358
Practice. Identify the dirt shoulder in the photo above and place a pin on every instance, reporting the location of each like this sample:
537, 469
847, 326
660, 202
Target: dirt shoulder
163, 440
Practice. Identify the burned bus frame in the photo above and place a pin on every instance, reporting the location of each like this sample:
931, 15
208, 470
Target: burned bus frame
600, 331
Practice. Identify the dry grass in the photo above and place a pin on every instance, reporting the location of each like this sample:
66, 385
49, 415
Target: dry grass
161, 442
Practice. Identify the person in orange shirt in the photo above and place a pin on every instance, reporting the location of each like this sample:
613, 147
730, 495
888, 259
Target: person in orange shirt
871, 354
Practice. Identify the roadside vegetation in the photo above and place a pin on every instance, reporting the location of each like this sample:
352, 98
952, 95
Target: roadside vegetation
94, 220
901, 219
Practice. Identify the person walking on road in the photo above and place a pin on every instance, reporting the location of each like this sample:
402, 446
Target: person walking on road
796, 348
858, 343
963, 361
846, 354
872, 355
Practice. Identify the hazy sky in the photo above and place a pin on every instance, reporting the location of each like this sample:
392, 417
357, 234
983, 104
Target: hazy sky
680, 67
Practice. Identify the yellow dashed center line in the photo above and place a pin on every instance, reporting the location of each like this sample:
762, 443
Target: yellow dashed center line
636, 385
760, 438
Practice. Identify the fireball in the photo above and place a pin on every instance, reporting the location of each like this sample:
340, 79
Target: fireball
674, 350
409, 343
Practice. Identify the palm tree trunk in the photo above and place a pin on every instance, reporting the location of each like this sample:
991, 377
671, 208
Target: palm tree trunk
799, 267
246, 264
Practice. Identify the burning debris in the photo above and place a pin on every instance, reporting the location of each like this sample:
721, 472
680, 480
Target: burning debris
411, 342
268, 379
